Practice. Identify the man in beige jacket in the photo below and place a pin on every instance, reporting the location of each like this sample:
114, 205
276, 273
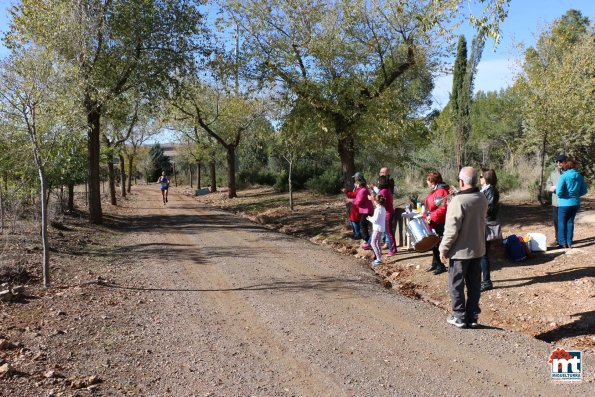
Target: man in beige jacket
462, 247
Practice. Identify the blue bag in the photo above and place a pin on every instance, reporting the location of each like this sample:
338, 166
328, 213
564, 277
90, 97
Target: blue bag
515, 249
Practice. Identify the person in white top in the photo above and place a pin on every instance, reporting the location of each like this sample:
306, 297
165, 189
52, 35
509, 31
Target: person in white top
378, 221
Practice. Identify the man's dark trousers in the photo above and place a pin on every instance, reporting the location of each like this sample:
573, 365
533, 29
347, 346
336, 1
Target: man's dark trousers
465, 273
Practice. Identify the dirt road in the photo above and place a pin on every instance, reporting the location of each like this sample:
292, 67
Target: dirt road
205, 304
231, 309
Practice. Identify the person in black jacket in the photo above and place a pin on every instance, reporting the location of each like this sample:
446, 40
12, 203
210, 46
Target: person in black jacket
488, 187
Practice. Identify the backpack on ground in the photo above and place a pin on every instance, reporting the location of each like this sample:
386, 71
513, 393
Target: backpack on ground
515, 248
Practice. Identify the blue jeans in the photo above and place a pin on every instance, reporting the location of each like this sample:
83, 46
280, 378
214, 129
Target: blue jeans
566, 224
356, 233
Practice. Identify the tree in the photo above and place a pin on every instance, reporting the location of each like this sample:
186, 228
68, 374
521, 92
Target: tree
37, 102
462, 91
158, 162
557, 90
348, 59
297, 138
225, 117
116, 45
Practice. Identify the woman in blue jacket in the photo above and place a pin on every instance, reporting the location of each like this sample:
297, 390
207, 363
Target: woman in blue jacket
571, 186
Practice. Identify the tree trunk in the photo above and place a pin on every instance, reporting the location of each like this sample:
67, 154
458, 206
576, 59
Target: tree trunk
44, 224
231, 171
541, 175
70, 205
112, 180
291, 186
122, 175
198, 181
347, 155
130, 171
93, 146
191, 176
1, 211
61, 196
175, 175
213, 174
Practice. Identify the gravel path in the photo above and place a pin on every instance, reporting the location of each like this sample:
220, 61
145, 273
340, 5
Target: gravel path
219, 306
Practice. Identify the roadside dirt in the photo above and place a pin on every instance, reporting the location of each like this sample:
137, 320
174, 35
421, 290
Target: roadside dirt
550, 296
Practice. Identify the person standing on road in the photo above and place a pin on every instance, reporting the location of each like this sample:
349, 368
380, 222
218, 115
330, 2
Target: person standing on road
488, 187
365, 207
462, 247
571, 186
163, 181
550, 186
378, 220
437, 215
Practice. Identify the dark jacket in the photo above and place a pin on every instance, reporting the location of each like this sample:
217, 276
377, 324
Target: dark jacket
493, 197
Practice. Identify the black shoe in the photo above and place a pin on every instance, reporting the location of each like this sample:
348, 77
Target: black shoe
486, 286
432, 268
474, 323
439, 269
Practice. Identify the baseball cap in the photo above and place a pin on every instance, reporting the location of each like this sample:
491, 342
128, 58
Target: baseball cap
358, 175
561, 157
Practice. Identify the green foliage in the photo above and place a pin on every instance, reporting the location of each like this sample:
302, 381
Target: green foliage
329, 182
508, 181
256, 177
158, 162
557, 87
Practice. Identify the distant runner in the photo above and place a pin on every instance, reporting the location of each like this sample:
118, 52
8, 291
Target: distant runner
164, 182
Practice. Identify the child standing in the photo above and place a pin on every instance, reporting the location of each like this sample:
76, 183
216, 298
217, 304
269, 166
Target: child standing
378, 221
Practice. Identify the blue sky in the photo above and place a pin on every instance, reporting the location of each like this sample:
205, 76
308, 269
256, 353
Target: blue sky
526, 19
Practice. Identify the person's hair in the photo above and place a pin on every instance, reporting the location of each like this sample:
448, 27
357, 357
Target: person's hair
380, 199
569, 164
468, 175
435, 177
383, 182
490, 177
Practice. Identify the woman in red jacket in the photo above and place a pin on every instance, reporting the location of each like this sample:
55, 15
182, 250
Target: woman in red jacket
354, 216
437, 216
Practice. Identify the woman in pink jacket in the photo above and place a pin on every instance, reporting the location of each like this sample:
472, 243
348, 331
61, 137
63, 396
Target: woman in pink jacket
384, 189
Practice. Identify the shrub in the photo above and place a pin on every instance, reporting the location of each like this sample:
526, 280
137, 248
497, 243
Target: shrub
508, 181
255, 177
329, 182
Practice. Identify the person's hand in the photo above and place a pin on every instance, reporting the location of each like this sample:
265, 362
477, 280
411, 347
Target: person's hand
443, 258
343, 189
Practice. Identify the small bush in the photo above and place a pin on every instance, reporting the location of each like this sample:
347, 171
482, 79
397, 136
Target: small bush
255, 177
329, 182
508, 181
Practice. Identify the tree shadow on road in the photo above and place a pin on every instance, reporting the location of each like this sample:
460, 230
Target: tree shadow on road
325, 284
583, 325
178, 223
